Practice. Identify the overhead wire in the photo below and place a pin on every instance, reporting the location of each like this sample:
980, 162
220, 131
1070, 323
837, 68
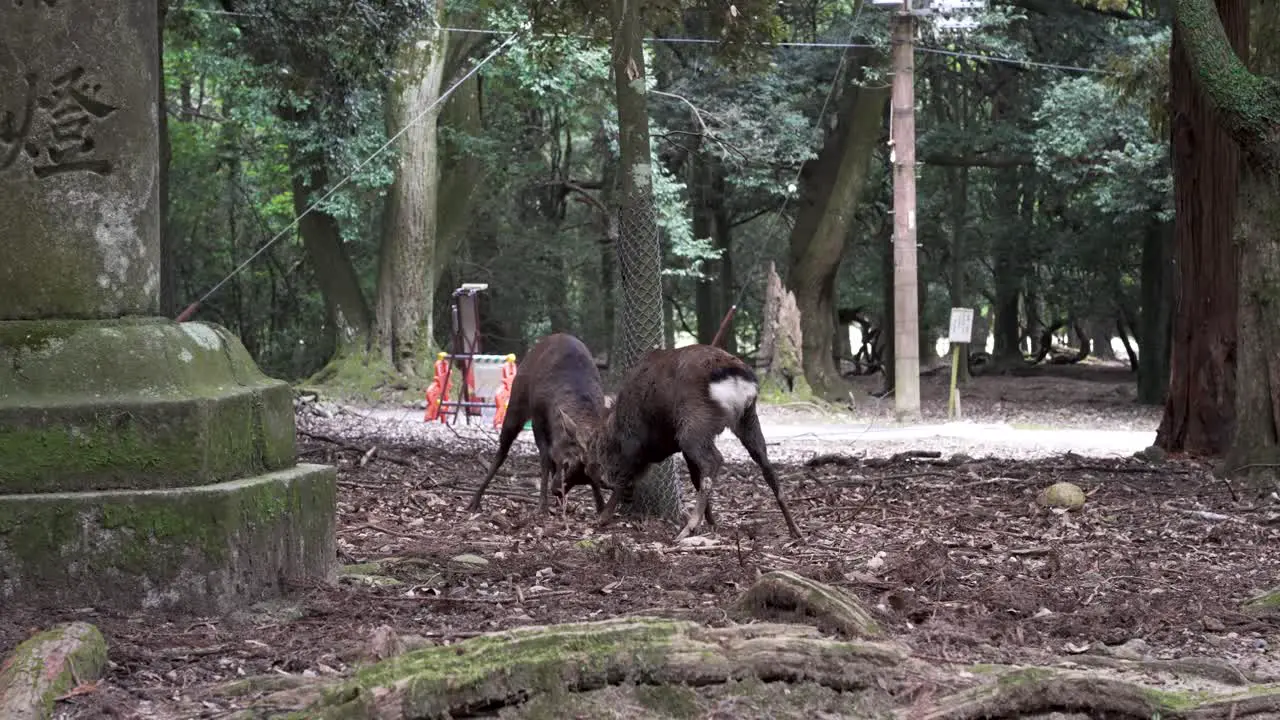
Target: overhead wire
186, 314
511, 36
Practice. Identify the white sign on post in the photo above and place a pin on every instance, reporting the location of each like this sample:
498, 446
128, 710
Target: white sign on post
961, 325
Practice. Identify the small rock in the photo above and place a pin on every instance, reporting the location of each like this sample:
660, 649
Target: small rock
469, 559
1062, 495
1135, 649
959, 459
1213, 625
384, 644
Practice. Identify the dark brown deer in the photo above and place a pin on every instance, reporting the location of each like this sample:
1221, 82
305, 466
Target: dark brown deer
557, 386
679, 401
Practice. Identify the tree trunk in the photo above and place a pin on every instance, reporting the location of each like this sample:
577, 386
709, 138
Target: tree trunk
1008, 275
462, 114
957, 254
349, 323
1157, 315
709, 221
1100, 331
405, 262
1206, 169
780, 362
168, 254
1255, 445
885, 241
639, 253
833, 185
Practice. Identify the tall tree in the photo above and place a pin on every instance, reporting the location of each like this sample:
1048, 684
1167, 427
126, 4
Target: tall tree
639, 254
1248, 107
832, 187
405, 268
1206, 172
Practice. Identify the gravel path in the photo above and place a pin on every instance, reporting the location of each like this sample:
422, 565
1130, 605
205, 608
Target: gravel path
793, 435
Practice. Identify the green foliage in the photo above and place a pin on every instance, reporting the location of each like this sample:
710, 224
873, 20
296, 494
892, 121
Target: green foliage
1068, 170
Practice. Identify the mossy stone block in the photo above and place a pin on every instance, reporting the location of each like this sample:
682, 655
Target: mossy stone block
204, 549
133, 404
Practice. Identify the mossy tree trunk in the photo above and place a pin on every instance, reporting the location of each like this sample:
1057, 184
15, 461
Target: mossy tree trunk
1248, 108
832, 185
405, 279
1206, 167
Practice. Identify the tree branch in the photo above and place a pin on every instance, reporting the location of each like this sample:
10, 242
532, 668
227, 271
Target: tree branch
1247, 105
610, 222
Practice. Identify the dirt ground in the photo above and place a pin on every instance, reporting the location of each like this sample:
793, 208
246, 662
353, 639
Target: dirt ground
959, 563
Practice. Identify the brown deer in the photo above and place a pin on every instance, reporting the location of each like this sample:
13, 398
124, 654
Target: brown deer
558, 387
679, 401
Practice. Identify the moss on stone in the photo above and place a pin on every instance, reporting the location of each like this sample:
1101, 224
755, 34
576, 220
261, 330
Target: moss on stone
197, 548
85, 659
117, 404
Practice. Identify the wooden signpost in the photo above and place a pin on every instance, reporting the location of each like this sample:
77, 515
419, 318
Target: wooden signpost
961, 333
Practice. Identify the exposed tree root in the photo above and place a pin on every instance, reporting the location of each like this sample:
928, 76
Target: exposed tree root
784, 595
556, 667
46, 666
507, 670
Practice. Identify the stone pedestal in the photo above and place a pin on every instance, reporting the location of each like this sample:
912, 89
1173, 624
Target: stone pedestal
143, 463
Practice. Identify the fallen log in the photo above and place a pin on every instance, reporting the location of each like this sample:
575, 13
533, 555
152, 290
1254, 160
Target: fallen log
48, 665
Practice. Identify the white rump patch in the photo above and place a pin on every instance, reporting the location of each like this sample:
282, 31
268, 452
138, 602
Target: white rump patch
733, 394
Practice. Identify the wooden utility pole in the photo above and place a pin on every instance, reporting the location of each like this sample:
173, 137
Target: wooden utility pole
902, 136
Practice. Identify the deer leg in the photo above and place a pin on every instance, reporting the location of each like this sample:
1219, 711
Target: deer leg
703, 454
548, 468
751, 436
512, 424
695, 477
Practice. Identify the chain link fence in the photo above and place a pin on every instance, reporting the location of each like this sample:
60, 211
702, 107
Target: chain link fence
639, 313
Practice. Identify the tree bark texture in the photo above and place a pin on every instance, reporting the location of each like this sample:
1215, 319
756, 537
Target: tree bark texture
344, 301
1157, 314
714, 294
405, 262
639, 254
1254, 452
833, 185
781, 356
1206, 170
958, 255
168, 253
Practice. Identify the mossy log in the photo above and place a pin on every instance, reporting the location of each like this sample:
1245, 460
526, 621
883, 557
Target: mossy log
786, 596
46, 666
504, 674
1037, 689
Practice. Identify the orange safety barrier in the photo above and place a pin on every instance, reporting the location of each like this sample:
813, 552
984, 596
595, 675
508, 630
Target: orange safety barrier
439, 389
503, 397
